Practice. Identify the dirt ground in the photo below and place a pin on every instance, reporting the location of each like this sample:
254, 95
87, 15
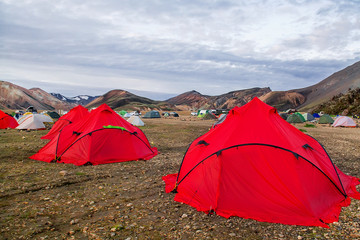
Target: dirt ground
127, 200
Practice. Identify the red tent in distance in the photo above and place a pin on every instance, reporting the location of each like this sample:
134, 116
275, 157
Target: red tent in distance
7, 121
102, 137
76, 114
256, 165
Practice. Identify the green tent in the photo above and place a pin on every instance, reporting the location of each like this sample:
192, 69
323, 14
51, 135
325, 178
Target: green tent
202, 113
152, 114
295, 118
301, 116
122, 112
326, 119
208, 116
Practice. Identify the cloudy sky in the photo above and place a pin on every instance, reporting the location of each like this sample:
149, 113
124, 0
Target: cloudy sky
163, 48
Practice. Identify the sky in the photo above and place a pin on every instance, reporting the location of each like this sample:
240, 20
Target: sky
160, 49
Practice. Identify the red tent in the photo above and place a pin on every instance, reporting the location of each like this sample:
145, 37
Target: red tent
256, 165
103, 137
74, 115
7, 121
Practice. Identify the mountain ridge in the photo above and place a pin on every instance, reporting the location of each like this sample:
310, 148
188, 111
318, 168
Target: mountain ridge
79, 99
13, 96
304, 99
118, 98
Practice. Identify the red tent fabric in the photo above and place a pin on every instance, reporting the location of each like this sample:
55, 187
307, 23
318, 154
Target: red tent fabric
7, 121
256, 165
74, 115
103, 137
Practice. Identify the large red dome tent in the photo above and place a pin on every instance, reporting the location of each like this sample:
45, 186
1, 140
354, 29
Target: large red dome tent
256, 165
76, 114
7, 121
102, 137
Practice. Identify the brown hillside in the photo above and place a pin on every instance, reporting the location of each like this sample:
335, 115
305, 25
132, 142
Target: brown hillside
306, 99
120, 99
190, 100
339, 82
237, 98
16, 97
194, 100
283, 100
342, 104
50, 100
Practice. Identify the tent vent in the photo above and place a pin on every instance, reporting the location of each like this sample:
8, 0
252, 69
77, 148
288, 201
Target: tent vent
306, 146
218, 153
296, 155
77, 133
202, 142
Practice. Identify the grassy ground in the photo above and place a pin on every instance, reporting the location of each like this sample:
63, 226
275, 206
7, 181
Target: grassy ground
41, 200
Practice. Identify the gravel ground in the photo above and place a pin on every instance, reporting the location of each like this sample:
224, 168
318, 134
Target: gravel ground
127, 200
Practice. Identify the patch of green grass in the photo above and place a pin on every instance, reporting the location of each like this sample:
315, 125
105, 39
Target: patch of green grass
80, 173
118, 227
310, 125
303, 130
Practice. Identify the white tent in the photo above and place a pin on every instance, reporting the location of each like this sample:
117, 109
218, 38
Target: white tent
127, 115
136, 121
343, 121
45, 118
33, 121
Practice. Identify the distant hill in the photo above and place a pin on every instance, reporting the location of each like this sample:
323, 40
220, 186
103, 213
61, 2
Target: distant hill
121, 99
15, 97
283, 100
190, 100
339, 82
306, 99
194, 100
342, 104
78, 100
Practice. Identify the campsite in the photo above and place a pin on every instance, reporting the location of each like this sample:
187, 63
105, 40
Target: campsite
127, 200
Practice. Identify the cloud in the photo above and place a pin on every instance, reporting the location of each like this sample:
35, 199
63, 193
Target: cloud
176, 46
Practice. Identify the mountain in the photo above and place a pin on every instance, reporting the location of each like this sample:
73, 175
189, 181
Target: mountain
78, 100
306, 99
15, 97
194, 100
343, 104
121, 99
190, 100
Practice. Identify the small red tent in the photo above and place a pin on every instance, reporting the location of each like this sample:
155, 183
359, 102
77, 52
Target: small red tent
256, 165
74, 115
102, 137
7, 121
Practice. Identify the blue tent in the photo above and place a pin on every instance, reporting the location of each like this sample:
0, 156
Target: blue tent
316, 115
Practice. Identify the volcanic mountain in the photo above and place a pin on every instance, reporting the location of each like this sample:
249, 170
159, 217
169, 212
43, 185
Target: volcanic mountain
121, 99
15, 97
304, 99
308, 98
194, 100
78, 100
